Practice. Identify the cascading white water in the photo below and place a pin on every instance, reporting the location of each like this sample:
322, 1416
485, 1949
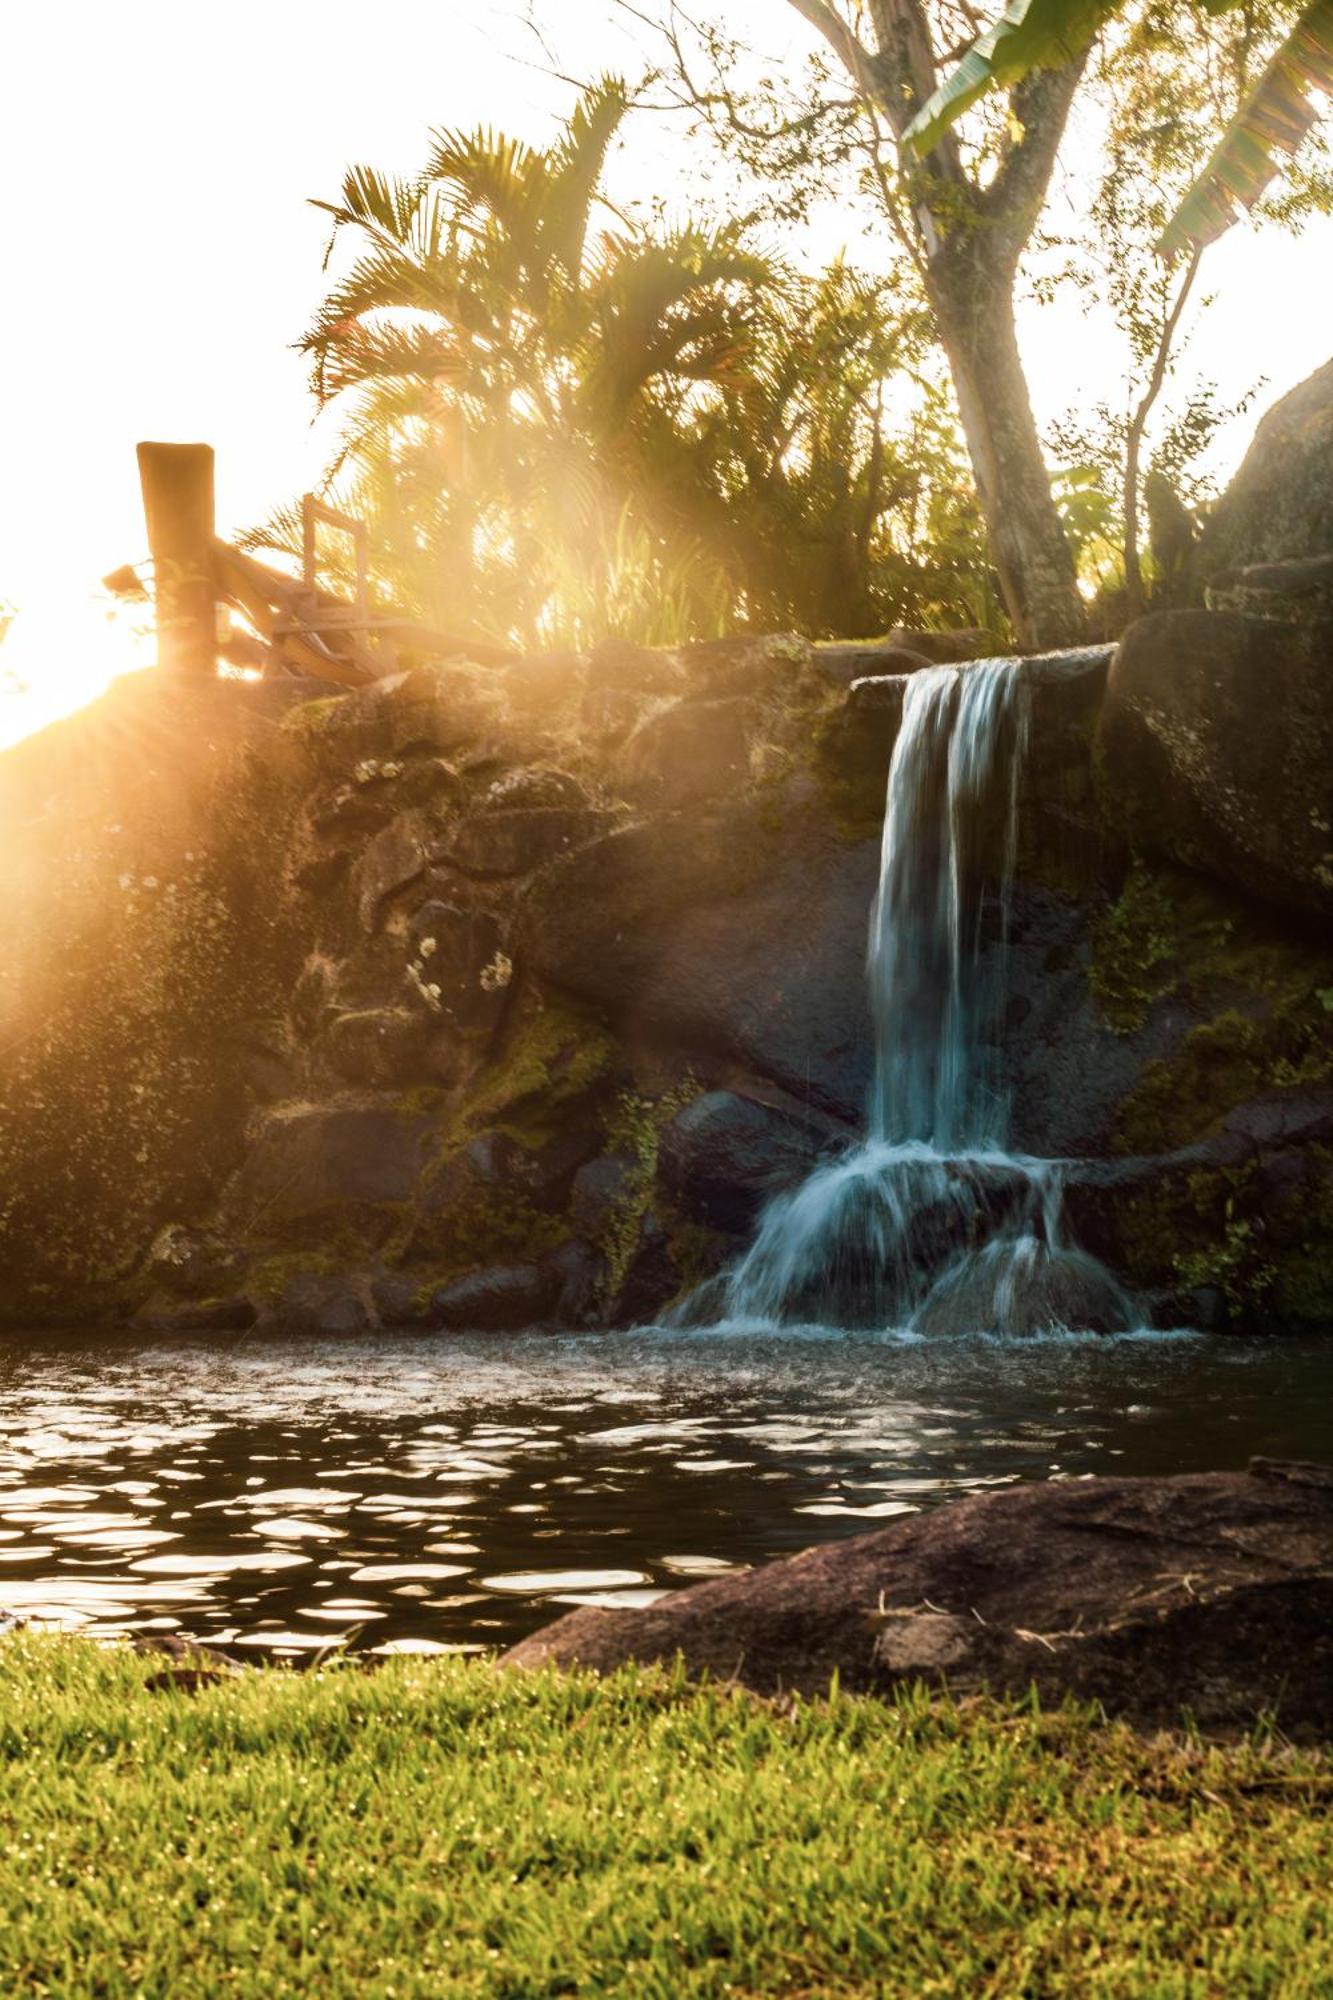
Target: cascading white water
931, 1223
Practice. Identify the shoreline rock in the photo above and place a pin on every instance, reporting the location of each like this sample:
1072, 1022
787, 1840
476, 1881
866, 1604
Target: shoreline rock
1208, 1595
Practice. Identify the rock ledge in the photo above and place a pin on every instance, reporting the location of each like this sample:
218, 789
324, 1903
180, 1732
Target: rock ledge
1208, 1595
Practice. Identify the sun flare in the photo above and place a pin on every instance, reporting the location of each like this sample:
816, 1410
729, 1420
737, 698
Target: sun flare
59, 654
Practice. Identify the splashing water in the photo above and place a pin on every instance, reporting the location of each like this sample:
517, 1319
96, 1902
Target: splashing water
931, 1223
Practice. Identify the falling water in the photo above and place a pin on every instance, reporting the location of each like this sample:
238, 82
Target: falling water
931, 1222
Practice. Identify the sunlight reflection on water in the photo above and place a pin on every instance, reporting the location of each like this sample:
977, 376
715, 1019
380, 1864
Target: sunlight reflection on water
455, 1493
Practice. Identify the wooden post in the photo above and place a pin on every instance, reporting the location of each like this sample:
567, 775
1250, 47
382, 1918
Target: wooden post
314, 510
177, 482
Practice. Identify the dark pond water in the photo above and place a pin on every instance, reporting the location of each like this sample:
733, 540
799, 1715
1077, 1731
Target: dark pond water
445, 1494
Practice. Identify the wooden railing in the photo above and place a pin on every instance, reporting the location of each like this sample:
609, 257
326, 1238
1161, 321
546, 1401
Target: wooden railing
291, 625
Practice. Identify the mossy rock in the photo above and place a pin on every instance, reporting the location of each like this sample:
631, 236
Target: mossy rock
552, 1055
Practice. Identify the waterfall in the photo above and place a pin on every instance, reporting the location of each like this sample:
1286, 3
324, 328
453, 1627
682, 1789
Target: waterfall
931, 1223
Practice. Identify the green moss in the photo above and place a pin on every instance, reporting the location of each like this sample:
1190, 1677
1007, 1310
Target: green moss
479, 1225
268, 1279
1256, 982
635, 1129
1172, 933
697, 1252
1134, 944
423, 1100
1219, 1227
851, 770
1203, 1230
552, 1055
312, 717
1223, 1063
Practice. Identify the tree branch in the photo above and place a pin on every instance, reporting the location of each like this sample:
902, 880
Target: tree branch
850, 51
1040, 103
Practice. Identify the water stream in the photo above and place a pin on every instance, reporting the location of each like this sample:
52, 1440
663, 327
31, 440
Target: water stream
932, 1223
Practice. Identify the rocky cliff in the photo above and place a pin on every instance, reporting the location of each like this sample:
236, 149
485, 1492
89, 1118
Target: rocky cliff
496, 997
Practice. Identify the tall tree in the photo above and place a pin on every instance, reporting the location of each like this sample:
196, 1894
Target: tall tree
968, 221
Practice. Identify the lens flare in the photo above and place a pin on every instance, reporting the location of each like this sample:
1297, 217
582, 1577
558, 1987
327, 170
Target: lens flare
58, 654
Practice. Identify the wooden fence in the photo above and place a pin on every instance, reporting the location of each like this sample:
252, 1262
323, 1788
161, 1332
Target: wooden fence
291, 626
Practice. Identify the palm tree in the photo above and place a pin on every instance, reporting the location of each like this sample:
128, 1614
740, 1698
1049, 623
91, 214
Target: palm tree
515, 389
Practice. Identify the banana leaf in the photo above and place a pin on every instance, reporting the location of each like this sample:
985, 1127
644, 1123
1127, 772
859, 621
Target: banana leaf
1030, 34
1269, 127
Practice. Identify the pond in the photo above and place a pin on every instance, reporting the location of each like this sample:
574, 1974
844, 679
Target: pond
452, 1494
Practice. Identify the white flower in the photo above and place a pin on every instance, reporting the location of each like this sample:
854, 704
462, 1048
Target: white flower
430, 994
497, 974
427, 947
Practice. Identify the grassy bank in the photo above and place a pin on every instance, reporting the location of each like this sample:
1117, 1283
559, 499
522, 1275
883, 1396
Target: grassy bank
436, 1829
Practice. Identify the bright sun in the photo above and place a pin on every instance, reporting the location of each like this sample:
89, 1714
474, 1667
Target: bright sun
59, 654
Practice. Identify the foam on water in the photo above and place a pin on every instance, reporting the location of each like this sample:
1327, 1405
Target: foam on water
931, 1223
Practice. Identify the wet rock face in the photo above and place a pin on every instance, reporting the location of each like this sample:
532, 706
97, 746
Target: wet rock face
689, 751
375, 1045
308, 1165
1299, 592
729, 941
505, 843
1217, 748
1208, 1595
501, 1299
457, 966
724, 1156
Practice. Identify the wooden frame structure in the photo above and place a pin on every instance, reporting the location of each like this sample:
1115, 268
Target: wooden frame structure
298, 628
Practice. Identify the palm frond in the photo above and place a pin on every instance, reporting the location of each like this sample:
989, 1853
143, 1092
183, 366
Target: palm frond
574, 172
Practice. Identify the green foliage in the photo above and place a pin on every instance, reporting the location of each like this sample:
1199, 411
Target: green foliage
561, 425
1232, 1259
1223, 1063
1134, 943
1029, 35
1171, 932
435, 1828
1273, 120
1270, 128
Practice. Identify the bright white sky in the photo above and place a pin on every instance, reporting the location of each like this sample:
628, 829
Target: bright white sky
160, 257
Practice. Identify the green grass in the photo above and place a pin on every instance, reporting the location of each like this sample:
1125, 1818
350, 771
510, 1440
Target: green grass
436, 1829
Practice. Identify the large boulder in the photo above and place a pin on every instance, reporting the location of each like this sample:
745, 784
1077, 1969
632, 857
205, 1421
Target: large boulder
457, 965
725, 1155
1297, 592
1217, 750
1280, 503
1209, 1595
711, 935
690, 751
308, 1163
496, 844
504, 1298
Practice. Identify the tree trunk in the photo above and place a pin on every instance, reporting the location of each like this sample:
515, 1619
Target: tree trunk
974, 312
971, 239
